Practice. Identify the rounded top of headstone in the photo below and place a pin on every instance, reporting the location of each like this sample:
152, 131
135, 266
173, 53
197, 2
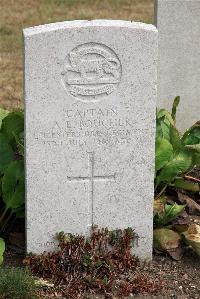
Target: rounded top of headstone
85, 23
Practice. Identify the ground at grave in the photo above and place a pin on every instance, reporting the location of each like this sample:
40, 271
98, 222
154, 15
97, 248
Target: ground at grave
182, 278
174, 279
16, 15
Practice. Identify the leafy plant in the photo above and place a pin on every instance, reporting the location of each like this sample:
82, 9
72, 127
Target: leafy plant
175, 154
99, 263
16, 283
165, 213
11, 166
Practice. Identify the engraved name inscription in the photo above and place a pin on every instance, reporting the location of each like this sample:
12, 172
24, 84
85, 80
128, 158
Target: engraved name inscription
81, 127
47, 244
91, 71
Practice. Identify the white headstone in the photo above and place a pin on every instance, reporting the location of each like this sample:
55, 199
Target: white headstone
90, 97
178, 23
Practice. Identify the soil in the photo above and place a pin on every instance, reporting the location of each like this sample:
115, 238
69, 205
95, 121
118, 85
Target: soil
182, 278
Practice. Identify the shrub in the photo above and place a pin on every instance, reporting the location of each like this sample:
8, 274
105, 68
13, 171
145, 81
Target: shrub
101, 263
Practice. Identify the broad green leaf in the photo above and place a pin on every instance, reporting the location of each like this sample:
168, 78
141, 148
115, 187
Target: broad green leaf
12, 125
164, 152
165, 130
163, 124
192, 237
173, 211
174, 107
196, 159
178, 165
168, 241
159, 133
3, 114
166, 114
194, 147
20, 212
192, 135
19, 139
13, 185
2, 249
175, 138
186, 185
167, 213
195, 152
6, 153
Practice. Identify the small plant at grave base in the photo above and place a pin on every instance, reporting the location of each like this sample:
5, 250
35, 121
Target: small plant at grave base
100, 263
16, 283
176, 157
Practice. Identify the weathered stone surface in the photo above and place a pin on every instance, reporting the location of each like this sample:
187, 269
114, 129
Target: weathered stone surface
178, 23
90, 96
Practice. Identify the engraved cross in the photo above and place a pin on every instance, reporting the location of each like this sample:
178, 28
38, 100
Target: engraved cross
91, 178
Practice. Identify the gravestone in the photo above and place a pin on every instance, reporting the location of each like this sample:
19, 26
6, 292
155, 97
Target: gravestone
90, 98
178, 23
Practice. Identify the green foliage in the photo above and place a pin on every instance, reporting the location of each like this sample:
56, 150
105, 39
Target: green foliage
165, 213
2, 249
175, 154
177, 165
3, 114
6, 153
164, 151
174, 107
13, 125
187, 185
13, 185
17, 283
11, 166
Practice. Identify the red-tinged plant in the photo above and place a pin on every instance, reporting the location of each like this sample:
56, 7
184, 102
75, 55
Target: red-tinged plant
97, 264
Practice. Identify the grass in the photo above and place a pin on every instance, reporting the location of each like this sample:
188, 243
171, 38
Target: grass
16, 283
18, 14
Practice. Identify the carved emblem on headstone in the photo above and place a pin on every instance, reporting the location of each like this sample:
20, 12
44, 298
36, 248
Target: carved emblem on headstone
91, 71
